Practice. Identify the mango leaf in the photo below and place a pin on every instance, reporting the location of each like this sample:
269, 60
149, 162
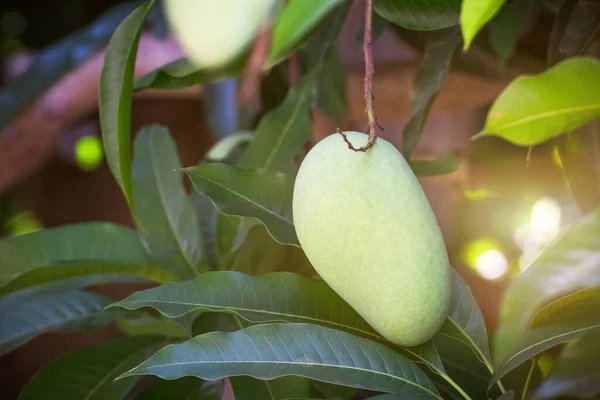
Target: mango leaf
564, 307
533, 109
423, 15
272, 297
568, 264
26, 316
273, 350
286, 387
295, 22
256, 193
444, 165
505, 28
282, 132
576, 371
146, 324
260, 254
462, 341
559, 27
440, 46
116, 86
79, 274
183, 73
188, 388
537, 340
72, 243
334, 392
474, 15
165, 216
582, 30
89, 373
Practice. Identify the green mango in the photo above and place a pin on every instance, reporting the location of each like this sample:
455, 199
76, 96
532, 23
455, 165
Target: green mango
369, 231
215, 32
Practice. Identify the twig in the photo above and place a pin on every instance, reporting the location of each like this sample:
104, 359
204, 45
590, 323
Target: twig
369, 72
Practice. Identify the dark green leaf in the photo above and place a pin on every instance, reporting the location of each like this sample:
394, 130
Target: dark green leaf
256, 193
525, 378
566, 307
79, 274
116, 86
282, 132
147, 324
273, 350
582, 30
462, 341
420, 15
275, 297
533, 109
445, 165
26, 316
334, 392
505, 29
260, 254
474, 15
378, 27
165, 216
558, 31
72, 243
89, 373
286, 387
576, 372
188, 388
440, 47
331, 88
537, 340
568, 264
183, 73
296, 21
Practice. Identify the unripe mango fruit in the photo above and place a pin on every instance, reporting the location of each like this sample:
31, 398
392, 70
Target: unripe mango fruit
369, 231
215, 32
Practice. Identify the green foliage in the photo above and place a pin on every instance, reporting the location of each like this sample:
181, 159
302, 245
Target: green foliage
422, 15
474, 15
534, 109
308, 350
284, 335
116, 84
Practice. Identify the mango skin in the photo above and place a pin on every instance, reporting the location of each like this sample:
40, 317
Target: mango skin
369, 231
215, 32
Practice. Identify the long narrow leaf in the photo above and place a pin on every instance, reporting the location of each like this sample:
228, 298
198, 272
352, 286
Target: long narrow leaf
89, 373
274, 350
26, 316
116, 88
72, 243
79, 274
256, 193
165, 216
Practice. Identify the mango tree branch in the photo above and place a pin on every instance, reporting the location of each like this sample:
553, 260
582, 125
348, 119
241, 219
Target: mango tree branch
369, 72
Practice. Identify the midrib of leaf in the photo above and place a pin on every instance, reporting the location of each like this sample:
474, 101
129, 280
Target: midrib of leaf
549, 114
587, 328
286, 128
471, 343
103, 380
167, 214
51, 325
243, 197
280, 363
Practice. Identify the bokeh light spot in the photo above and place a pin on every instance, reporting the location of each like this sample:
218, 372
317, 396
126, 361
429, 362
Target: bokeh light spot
89, 153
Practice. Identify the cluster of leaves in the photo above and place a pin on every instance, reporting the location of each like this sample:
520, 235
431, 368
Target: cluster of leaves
238, 299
